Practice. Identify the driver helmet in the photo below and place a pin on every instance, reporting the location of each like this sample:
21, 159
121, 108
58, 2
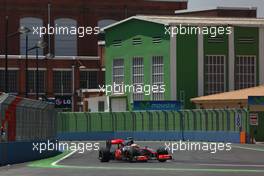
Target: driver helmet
135, 145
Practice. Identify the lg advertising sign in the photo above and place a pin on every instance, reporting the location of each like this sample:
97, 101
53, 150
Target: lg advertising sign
63, 102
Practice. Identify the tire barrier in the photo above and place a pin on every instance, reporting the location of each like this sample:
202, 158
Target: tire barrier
202, 125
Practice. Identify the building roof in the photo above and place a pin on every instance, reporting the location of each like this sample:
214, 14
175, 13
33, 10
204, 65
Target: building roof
241, 94
212, 9
204, 21
169, 0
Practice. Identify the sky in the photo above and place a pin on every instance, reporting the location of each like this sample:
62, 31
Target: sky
205, 4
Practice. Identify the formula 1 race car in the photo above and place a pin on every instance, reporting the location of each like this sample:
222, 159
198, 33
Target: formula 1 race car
127, 150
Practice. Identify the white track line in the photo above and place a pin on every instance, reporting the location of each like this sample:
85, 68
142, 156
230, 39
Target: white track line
63, 158
231, 165
248, 148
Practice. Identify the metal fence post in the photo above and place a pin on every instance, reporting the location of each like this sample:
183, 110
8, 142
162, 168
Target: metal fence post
142, 125
228, 120
166, 120
87, 121
246, 120
218, 113
101, 122
200, 116
182, 124
124, 116
158, 120
174, 120
194, 120
150, 120
206, 119
76, 122
112, 116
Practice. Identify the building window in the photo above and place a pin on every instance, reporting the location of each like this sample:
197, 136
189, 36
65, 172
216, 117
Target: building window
246, 40
157, 77
101, 106
138, 77
117, 42
62, 82
32, 80
88, 79
218, 39
156, 39
137, 41
245, 72
118, 74
118, 71
214, 74
65, 42
12, 81
30, 23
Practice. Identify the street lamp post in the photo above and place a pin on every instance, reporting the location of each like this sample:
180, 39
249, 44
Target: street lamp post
40, 44
37, 75
26, 92
6, 54
21, 30
77, 65
26, 31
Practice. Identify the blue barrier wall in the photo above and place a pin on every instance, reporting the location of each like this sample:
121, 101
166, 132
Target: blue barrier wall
18, 152
212, 136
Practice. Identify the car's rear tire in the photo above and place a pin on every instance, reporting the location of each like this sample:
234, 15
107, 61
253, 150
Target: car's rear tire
104, 155
162, 151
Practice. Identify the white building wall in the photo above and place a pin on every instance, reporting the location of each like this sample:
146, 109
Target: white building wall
93, 103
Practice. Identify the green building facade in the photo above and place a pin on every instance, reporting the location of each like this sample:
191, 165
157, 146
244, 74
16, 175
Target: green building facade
140, 51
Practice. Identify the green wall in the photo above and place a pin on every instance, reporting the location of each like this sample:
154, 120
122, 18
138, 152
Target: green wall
126, 32
187, 68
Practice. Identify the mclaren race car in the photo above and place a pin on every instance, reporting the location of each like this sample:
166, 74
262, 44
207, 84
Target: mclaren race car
127, 150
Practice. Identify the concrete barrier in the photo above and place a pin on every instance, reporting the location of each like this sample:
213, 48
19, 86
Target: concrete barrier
19, 152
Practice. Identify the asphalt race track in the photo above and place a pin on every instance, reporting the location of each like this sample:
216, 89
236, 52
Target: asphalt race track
242, 160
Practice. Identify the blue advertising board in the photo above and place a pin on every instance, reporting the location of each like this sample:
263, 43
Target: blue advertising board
157, 105
256, 100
